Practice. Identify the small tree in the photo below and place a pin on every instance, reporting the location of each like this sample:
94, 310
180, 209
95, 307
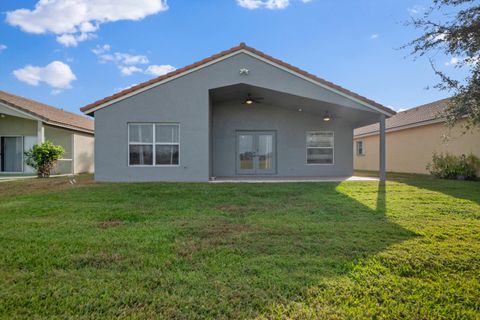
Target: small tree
44, 157
453, 26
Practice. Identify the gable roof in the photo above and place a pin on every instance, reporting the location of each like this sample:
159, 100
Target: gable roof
46, 113
421, 115
88, 109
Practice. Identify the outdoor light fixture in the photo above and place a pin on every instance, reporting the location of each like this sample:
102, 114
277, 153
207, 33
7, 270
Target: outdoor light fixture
251, 99
300, 109
326, 117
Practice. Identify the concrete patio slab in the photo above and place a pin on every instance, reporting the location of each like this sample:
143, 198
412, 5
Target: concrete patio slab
267, 179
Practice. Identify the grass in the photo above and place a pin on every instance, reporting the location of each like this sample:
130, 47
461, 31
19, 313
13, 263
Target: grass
409, 248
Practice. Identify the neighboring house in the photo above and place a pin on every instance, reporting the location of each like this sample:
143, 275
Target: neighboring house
237, 113
413, 136
24, 122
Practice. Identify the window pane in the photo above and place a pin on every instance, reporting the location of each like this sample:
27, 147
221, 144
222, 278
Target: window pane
141, 133
166, 133
265, 151
320, 156
245, 151
141, 155
360, 147
320, 139
166, 154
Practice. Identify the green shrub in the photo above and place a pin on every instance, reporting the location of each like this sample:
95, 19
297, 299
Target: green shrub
447, 166
44, 157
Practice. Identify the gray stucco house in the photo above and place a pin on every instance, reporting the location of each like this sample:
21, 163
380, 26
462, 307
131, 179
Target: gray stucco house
237, 113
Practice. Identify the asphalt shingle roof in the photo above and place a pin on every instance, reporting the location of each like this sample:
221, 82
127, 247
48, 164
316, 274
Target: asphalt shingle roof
417, 115
47, 113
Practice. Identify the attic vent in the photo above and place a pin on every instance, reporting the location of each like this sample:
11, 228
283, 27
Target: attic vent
244, 71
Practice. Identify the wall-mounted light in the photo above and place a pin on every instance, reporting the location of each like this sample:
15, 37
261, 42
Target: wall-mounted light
326, 118
300, 109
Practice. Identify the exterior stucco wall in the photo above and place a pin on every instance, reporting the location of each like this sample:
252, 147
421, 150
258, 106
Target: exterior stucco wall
62, 138
410, 150
185, 100
83, 152
291, 127
15, 126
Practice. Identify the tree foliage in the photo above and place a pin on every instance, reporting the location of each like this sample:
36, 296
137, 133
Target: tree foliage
44, 157
453, 27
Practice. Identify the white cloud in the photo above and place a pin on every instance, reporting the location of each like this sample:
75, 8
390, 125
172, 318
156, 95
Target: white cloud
268, 4
128, 71
2, 47
129, 64
124, 88
101, 49
56, 74
55, 92
104, 55
453, 61
416, 9
374, 36
402, 109
159, 70
80, 18
440, 37
72, 40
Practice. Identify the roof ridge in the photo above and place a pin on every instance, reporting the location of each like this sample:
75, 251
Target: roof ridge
414, 116
44, 104
241, 46
46, 112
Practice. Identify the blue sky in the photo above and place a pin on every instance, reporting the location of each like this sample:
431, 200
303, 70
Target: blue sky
71, 56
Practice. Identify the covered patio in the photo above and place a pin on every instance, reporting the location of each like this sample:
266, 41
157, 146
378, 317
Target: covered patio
260, 134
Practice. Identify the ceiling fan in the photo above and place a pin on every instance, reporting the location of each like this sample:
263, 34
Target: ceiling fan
251, 100
327, 116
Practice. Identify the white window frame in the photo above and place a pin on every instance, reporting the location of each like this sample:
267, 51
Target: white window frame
307, 147
154, 144
363, 147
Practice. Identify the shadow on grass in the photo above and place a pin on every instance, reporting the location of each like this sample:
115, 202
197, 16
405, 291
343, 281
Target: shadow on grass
467, 190
193, 250
270, 245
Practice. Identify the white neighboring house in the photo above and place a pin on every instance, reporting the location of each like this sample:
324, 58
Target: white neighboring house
25, 122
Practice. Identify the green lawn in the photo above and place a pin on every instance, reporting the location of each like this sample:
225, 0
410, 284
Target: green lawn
409, 248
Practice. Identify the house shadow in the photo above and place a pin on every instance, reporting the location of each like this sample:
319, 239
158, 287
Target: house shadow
276, 242
467, 190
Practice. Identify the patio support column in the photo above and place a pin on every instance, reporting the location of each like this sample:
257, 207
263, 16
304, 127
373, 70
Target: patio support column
382, 168
40, 132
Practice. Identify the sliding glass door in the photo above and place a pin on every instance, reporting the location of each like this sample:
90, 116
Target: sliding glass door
11, 150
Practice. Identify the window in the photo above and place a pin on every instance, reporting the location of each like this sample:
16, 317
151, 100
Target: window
360, 148
319, 147
153, 144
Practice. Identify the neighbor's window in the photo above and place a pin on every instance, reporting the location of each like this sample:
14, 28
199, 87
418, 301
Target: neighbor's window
360, 148
319, 147
153, 144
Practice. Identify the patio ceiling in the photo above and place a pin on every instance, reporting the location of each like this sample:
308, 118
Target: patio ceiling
239, 92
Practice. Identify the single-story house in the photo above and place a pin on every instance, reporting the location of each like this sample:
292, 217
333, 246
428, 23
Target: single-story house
25, 122
413, 136
238, 113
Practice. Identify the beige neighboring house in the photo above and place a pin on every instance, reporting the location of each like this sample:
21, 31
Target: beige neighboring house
412, 137
25, 122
